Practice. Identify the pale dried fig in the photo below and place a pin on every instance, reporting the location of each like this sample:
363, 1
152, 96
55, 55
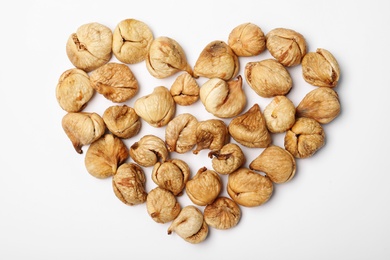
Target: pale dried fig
249, 129
277, 163
211, 134
74, 90
286, 45
249, 188
131, 41
129, 184
90, 47
157, 108
165, 58
304, 138
83, 128
223, 99
122, 121
321, 69
115, 82
204, 187
190, 225
180, 133
228, 159
321, 104
279, 115
149, 150
162, 205
247, 39
185, 90
171, 175
268, 78
105, 155
217, 60
223, 213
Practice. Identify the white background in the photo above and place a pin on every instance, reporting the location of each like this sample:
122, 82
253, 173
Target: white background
336, 207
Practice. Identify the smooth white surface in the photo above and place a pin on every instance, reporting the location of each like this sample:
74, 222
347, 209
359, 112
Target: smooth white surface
336, 207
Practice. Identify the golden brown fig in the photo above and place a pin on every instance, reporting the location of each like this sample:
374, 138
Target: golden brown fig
83, 128
190, 225
162, 205
157, 108
105, 155
204, 187
223, 99
115, 82
211, 134
305, 138
165, 58
249, 129
321, 69
286, 45
171, 175
268, 78
277, 163
131, 41
223, 213
228, 159
185, 90
129, 184
321, 104
149, 150
279, 115
247, 39
249, 188
122, 121
74, 90
90, 47
217, 60
180, 133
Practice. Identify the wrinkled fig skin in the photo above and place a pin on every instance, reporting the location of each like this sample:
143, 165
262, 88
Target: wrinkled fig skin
223, 99
74, 90
149, 150
122, 121
185, 90
249, 129
200, 236
171, 175
204, 187
248, 188
321, 69
129, 184
268, 78
157, 108
286, 45
165, 58
190, 225
105, 155
305, 138
131, 41
217, 60
279, 115
247, 40
115, 82
90, 47
211, 134
277, 163
228, 159
83, 128
223, 213
180, 133
162, 205
322, 104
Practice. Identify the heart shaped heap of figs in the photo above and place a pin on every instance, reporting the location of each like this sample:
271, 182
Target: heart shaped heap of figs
229, 131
